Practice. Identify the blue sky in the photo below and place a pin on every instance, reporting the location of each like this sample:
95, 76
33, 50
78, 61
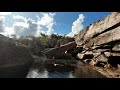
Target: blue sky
66, 19
32, 23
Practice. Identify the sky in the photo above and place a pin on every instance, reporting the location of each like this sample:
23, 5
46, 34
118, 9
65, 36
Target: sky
34, 23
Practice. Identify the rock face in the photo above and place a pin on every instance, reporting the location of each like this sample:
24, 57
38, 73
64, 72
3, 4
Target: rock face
15, 59
107, 24
102, 39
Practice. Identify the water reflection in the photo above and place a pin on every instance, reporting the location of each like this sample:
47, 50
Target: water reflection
84, 71
36, 73
60, 75
49, 71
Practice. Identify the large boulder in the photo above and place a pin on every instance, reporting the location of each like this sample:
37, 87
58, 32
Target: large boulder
58, 51
15, 59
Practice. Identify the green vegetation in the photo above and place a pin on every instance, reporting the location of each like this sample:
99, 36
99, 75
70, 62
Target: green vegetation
38, 44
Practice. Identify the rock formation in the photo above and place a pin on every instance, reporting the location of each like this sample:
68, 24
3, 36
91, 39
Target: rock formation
15, 59
101, 41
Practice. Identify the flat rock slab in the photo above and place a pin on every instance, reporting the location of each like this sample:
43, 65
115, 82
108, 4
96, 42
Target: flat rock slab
57, 52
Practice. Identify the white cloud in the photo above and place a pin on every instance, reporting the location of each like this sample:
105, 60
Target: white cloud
21, 24
70, 34
33, 27
39, 30
24, 27
50, 29
5, 13
30, 27
20, 18
77, 26
19, 29
2, 20
8, 31
48, 21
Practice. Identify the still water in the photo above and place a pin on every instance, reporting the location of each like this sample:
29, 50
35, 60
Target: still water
45, 74
80, 71
51, 72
